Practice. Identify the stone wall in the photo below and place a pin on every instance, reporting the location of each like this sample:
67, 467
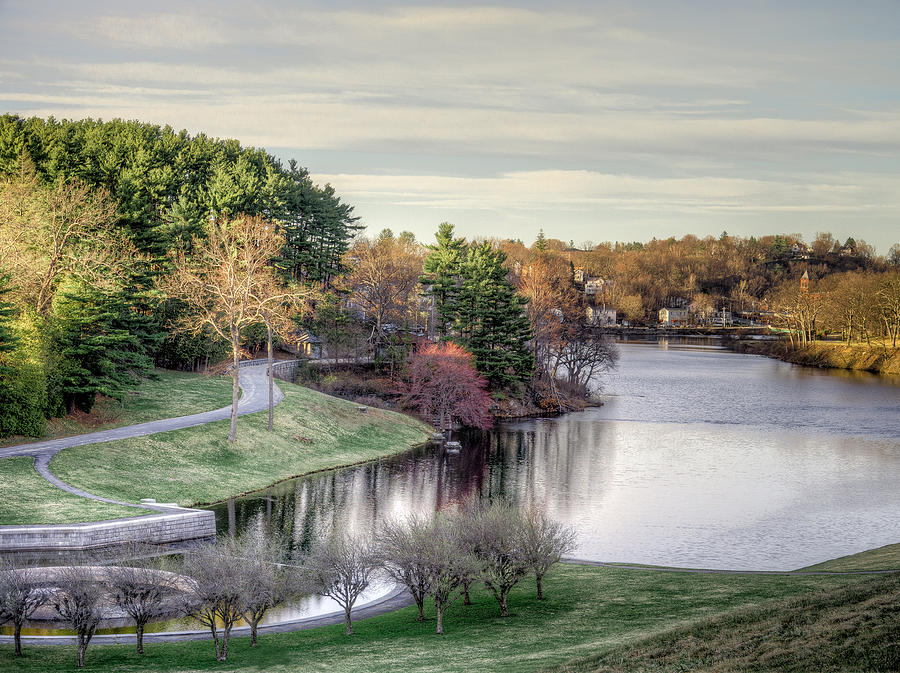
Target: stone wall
173, 526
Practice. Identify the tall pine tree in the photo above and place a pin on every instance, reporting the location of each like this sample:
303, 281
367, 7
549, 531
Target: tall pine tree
480, 307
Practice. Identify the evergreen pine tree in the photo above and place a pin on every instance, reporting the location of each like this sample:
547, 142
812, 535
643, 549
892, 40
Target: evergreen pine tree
99, 353
8, 340
491, 319
441, 269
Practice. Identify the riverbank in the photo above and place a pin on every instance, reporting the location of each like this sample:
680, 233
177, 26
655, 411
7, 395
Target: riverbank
312, 432
829, 354
195, 466
589, 612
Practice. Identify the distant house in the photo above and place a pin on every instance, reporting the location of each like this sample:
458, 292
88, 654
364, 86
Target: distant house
673, 317
722, 318
594, 286
800, 250
579, 275
310, 345
600, 317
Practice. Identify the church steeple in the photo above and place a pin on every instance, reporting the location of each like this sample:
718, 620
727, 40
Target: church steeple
804, 281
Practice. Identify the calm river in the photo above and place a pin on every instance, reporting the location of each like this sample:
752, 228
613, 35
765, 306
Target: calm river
699, 457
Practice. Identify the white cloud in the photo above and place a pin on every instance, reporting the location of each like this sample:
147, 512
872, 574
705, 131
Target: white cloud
581, 190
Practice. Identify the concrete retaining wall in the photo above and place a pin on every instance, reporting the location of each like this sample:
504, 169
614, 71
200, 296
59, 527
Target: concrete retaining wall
166, 527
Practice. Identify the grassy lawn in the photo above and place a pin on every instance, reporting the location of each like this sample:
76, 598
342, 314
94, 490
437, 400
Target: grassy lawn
587, 610
26, 498
198, 465
170, 394
849, 628
883, 558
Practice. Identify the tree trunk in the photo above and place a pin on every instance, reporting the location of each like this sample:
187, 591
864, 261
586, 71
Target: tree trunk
82, 646
540, 585
467, 600
271, 377
420, 605
253, 628
235, 389
18, 638
215, 635
440, 620
223, 654
347, 621
504, 611
140, 638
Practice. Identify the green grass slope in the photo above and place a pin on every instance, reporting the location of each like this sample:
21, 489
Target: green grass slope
848, 628
166, 395
26, 498
312, 432
882, 558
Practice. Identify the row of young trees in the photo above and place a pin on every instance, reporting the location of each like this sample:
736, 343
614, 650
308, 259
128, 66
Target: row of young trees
234, 580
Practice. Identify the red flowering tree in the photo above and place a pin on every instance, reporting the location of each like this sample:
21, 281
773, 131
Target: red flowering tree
441, 382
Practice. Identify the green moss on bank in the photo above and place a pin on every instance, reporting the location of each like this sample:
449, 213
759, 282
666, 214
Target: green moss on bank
199, 465
26, 498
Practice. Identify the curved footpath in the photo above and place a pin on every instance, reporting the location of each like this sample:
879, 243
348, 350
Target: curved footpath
255, 397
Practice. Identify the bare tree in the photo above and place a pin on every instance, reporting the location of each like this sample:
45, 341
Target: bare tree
341, 568
144, 592
447, 565
544, 542
20, 596
276, 304
77, 600
224, 280
47, 232
400, 545
218, 584
267, 581
495, 536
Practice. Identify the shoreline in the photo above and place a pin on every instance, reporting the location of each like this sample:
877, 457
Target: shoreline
824, 355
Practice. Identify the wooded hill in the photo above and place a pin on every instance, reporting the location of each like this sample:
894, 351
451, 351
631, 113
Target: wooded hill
89, 212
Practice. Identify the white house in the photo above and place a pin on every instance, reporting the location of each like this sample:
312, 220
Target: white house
594, 286
673, 316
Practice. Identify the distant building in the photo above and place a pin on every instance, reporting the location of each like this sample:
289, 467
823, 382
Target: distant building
804, 282
800, 250
310, 345
722, 318
600, 317
594, 286
673, 317
579, 275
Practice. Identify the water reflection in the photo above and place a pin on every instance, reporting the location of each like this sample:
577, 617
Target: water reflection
698, 458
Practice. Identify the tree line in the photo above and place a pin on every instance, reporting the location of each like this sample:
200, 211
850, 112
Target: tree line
234, 580
859, 306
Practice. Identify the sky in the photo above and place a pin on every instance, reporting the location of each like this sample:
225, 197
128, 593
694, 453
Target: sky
594, 121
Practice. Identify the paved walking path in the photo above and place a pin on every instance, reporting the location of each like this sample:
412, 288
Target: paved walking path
255, 397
